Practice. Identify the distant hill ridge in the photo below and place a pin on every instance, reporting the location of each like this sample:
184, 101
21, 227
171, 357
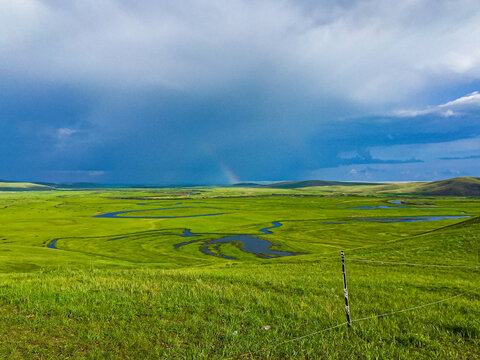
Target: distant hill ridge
311, 183
22, 186
303, 184
39, 186
460, 186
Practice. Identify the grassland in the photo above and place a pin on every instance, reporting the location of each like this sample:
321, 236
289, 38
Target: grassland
137, 297
460, 186
22, 186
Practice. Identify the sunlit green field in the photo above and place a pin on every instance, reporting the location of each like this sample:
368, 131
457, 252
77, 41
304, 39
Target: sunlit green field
118, 288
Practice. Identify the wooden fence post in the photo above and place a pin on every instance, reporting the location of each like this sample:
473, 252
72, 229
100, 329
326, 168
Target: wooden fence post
345, 291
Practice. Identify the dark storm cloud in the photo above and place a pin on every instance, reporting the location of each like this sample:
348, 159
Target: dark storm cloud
167, 92
460, 157
365, 157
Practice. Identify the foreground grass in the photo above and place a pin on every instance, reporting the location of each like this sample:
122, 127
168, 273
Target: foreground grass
193, 313
142, 299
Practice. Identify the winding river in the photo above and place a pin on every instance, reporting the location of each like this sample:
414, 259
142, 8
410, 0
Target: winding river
116, 215
246, 243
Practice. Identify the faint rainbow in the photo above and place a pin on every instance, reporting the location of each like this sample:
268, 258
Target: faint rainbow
229, 174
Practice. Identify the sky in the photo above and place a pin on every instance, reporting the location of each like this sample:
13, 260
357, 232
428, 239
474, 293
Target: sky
218, 92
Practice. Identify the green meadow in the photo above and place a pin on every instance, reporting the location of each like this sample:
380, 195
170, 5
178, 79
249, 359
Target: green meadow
119, 288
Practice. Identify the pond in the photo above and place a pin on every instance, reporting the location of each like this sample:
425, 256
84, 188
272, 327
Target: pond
188, 233
52, 244
395, 201
247, 243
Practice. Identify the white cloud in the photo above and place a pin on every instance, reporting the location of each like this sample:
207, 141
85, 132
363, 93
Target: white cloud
96, 173
436, 170
451, 108
472, 99
64, 133
430, 151
77, 173
362, 51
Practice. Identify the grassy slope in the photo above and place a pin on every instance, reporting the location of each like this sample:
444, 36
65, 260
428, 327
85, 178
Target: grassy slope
311, 183
463, 186
22, 186
467, 186
141, 298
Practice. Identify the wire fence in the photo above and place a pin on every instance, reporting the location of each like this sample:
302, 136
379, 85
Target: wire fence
384, 314
408, 309
363, 319
413, 264
372, 317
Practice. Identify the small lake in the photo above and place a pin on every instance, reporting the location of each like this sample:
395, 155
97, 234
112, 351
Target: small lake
415, 203
52, 244
247, 243
188, 233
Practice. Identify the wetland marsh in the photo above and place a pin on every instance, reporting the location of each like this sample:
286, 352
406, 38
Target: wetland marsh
105, 275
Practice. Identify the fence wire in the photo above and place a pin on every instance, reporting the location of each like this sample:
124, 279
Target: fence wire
413, 264
385, 314
363, 319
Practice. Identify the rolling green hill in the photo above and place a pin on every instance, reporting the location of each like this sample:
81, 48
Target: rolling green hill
461, 186
22, 186
310, 183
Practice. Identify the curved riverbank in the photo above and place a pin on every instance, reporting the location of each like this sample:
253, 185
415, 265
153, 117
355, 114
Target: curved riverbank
115, 215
